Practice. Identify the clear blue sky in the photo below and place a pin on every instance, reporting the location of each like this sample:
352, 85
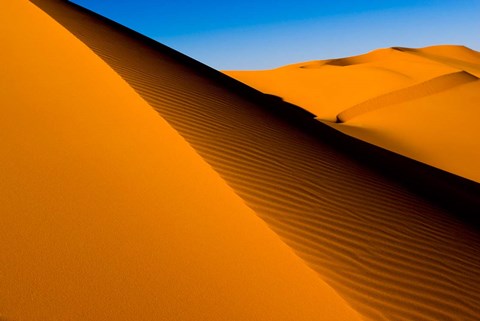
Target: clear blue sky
266, 34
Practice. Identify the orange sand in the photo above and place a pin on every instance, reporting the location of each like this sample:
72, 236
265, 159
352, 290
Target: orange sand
421, 103
118, 152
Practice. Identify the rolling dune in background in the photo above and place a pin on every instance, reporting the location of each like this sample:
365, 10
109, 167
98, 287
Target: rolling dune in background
432, 94
399, 244
321, 86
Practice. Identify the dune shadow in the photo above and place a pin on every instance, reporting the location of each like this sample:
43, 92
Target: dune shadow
280, 107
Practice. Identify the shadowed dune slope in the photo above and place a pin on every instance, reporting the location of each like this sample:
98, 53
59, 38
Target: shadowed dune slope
400, 78
106, 213
391, 253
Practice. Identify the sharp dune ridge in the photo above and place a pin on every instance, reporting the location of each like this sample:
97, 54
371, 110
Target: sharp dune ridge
394, 250
108, 213
431, 183
426, 88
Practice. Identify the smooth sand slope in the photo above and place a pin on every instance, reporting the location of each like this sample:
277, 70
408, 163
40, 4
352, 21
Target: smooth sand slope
392, 249
421, 103
106, 213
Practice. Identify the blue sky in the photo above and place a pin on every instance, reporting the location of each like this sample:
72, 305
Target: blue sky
266, 34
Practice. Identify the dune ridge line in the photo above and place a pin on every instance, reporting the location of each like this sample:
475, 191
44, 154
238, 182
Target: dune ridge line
424, 89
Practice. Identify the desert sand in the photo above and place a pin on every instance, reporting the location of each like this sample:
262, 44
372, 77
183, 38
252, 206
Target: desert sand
139, 184
421, 103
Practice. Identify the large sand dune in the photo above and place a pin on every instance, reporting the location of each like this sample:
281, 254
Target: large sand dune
106, 213
432, 94
110, 214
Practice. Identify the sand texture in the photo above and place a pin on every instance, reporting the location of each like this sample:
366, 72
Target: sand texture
138, 183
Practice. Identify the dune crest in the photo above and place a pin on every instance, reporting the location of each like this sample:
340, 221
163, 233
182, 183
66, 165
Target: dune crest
106, 213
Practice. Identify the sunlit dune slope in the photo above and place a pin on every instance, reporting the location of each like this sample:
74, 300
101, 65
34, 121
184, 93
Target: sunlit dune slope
396, 245
429, 100
106, 213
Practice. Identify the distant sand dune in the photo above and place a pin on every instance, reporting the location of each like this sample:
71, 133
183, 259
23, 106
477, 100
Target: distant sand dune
373, 56
365, 58
420, 90
320, 86
424, 121
391, 253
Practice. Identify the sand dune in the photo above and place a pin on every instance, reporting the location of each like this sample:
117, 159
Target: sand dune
418, 123
321, 86
394, 245
390, 252
106, 213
